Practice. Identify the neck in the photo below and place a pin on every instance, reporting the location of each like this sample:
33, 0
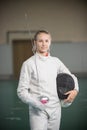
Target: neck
43, 53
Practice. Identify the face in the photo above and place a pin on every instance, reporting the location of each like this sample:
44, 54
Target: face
43, 42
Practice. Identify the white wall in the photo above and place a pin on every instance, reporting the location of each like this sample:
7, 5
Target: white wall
74, 56
6, 66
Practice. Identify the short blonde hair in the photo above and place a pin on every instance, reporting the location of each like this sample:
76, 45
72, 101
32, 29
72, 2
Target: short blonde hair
41, 31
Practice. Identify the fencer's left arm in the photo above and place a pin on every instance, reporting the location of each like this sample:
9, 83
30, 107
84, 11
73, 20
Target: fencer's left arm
72, 93
64, 69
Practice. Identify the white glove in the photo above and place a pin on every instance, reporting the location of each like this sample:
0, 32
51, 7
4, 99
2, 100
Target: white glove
65, 104
37, 104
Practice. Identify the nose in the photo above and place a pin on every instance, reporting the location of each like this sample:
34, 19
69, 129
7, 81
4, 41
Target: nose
43, 43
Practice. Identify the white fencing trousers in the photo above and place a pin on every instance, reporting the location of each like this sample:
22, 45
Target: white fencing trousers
41, 120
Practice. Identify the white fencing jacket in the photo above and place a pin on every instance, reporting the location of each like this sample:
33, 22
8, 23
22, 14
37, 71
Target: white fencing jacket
38, 78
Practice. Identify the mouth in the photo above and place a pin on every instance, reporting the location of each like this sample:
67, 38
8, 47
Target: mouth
44, 48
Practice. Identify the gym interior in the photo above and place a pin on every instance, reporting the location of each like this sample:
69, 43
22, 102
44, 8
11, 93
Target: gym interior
67, 22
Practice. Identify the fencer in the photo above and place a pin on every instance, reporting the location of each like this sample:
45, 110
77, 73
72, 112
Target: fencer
37, 85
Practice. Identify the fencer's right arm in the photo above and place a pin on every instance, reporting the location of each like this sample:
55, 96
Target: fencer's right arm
23, 89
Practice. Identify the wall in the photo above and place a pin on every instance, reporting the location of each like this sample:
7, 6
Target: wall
65, 19
6, 66
74, 56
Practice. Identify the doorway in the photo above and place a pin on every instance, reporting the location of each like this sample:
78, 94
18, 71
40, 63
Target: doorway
22, 50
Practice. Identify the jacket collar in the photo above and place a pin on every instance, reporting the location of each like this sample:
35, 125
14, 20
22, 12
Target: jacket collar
42, 57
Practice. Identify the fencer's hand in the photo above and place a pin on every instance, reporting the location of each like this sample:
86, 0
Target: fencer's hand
35, 103
39, 106
72, 94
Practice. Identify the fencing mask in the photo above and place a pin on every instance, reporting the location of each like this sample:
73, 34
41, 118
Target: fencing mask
65, 83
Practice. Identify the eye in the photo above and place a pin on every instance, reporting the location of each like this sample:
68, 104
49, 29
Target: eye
40, 41
46, 41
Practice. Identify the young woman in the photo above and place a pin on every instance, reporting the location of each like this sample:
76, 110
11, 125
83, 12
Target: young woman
37, 85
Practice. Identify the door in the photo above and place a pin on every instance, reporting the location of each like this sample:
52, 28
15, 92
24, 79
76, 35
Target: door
22, 50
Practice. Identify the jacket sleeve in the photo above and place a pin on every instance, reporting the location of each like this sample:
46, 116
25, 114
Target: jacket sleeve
64, 69
23, 89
